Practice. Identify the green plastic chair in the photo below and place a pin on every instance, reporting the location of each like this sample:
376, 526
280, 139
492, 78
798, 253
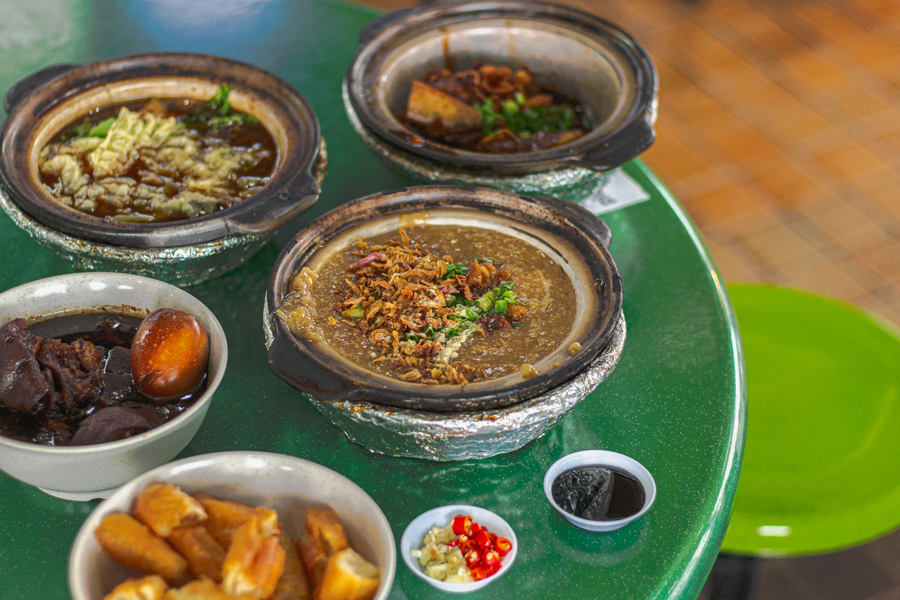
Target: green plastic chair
821, 467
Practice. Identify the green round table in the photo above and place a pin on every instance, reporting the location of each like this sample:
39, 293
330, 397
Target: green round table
676, 401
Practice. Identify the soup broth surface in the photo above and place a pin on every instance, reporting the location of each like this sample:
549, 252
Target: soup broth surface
158, 160
473, 327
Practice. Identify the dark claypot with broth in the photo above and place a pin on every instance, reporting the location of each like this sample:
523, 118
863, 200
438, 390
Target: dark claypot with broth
326, 343
47, 106
595, 65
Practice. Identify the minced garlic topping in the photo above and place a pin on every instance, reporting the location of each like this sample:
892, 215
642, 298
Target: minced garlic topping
442, 562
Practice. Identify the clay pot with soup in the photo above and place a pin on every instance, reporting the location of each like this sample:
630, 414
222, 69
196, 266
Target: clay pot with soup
449, 300
174, 165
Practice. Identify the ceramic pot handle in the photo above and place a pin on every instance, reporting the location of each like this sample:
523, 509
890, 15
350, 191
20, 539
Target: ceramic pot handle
302, 372
625, 145
375, 27
294, 199
27, 85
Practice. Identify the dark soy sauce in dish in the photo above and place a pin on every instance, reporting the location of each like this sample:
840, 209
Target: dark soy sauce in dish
597, 493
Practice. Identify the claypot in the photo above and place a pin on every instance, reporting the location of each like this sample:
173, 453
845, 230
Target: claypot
566, 49
186, 251
571, 236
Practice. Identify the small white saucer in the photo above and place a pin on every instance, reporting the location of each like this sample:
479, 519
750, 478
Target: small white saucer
441, 517
601, 458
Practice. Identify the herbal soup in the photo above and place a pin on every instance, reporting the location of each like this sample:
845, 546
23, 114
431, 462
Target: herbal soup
436, 305
159, 160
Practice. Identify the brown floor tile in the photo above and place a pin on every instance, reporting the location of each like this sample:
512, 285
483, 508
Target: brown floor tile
793, 120
777, 245
870, 237
874, 305
883, 178
812, 67
789, 181
830, 280
828, 142
840, 221
794, 269
844, 575
732, 210
853, 161
885, 10
866, 49
885, 260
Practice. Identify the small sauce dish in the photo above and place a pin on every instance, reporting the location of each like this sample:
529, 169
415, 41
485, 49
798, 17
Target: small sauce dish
618, 464
443, 516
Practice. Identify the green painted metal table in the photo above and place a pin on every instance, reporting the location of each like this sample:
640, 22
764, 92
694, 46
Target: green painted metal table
676, 401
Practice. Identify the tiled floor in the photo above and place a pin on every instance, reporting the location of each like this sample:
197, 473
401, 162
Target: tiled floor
779, 131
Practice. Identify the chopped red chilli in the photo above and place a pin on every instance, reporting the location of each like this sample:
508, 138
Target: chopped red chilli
482, 549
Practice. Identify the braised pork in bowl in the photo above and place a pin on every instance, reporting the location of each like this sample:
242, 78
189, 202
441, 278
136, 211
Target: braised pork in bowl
443, 299
104, 376
178, 166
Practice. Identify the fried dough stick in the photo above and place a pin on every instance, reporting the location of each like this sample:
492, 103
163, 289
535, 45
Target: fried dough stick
162, 507
151, 587
224, 517
205, 556
254, 562
135, 546
293, 584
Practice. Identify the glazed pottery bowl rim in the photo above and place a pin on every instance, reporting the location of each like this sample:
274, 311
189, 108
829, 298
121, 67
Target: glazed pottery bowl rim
603, 458
217, 462
336, 378
631, 137
118, 446
293, 187
429, 518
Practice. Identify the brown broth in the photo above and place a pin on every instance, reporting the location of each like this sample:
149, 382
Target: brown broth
241, 137
541, 286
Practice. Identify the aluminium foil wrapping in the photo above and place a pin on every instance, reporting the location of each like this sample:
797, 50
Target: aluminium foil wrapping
469, 436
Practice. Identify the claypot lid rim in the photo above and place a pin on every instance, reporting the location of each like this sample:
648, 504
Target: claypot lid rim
292, 190
634, 135
300, 364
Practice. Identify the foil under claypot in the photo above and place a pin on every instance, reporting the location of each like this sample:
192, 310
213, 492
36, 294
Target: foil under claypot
179, 265
468, 436
569, 183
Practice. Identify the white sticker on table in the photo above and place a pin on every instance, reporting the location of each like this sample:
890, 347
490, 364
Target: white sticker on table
619, 191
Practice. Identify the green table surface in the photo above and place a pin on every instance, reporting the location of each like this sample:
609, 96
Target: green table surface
676, 402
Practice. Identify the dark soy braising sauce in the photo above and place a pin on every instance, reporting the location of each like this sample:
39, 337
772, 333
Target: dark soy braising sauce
597, 493
125, 412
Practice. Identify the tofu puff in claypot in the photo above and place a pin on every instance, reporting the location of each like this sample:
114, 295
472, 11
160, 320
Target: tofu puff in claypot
524, 96
179, 166
451, 302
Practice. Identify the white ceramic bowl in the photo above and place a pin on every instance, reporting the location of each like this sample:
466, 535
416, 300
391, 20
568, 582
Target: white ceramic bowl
442, 516
286, 484
88, 472
603, 458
